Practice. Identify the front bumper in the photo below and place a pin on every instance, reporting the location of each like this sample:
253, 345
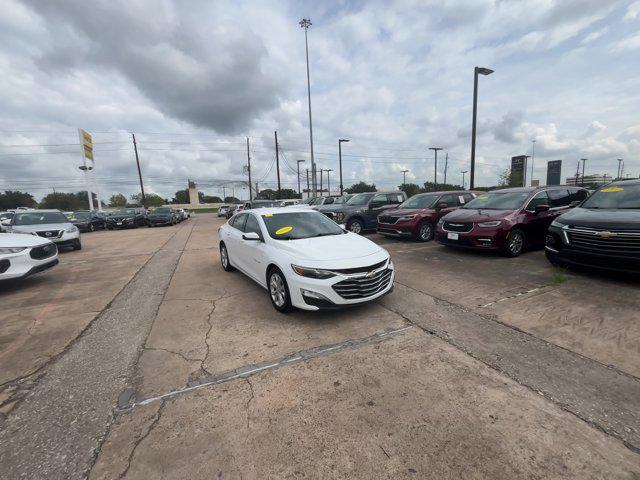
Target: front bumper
121, 223
477, 239
398, 229
159, 221
21, 265
331, 299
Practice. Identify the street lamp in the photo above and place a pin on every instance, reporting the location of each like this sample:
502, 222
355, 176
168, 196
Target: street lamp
477, 71
340, 141
435, 172
328, 180
463, 172
533, 155
306, 23
404, 176
583, 160
299, 191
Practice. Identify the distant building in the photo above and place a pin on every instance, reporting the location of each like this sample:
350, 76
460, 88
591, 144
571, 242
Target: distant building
589, 180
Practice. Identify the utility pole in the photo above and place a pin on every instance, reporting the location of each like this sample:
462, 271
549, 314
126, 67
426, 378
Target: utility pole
328, 181
277, 163
404, 176
135, 149
257, 190
340, 142
321, 170
463, 172
435, 171
446, 164
249, 169
533, 154
308, 187
584, 160
298, 164
306, 23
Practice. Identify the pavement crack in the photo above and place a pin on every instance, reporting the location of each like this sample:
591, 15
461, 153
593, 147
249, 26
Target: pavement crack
384, 451
181, 355
248, 403
152, 425
206, 338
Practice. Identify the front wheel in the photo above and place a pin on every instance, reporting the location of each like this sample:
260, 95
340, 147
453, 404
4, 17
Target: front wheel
514, 244
92, 227
355, 226
224, 259
279, 291
425, 231
77, 245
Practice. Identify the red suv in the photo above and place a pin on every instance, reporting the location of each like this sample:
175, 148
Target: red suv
507, 220
417, 217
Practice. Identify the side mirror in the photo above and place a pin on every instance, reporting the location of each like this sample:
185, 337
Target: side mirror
253, 236
575, 203
440, 206
541, 208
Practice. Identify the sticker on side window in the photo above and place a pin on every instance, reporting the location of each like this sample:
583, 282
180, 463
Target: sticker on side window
268, 215
483, 197
283, 230
461, 198
612, 189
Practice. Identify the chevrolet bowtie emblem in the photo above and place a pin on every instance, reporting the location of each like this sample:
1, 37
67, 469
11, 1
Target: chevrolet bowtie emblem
370, 274
607, 234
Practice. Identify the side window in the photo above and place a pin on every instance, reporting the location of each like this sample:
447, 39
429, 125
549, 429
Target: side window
395, 198
578, 195
450, 200
379, 198
540, 199
559, 198
252, 225
247, 206
467, 197
240, 221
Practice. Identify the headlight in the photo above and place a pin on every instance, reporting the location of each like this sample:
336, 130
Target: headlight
493, 223
441, 221
558, 224
312, 272
5, 250
71, 229
407, 217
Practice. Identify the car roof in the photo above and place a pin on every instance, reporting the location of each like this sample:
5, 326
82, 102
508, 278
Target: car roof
276, 210
39, 210
635, 181
454, 192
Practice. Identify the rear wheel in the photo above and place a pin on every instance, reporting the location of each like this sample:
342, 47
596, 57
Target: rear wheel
514, 244
425, 231
224, 259
355, 226
92, 227
279, 291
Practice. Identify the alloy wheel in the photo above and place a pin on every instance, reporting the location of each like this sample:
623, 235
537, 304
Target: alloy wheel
516, 242
355, 227
224, 257
277, 290
425, 231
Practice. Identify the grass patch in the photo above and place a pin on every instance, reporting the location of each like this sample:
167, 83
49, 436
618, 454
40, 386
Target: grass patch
559, 275
205, 210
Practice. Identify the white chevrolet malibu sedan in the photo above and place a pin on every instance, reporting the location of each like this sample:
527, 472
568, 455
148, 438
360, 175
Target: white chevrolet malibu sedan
305, 259
23, 255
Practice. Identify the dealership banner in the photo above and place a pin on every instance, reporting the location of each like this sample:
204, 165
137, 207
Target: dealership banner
518, 165
554, 169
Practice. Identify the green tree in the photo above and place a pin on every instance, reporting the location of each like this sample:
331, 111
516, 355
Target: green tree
410, 189
150, 200
440, 187
66, 201
505, 180
118, 200
361, 187
14, 198
211, 199
232, 199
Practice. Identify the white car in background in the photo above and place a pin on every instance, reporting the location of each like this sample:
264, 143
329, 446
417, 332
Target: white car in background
23, 255
304, 259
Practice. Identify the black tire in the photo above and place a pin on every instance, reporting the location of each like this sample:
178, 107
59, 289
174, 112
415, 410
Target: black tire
109, 227
77, 245
279, 290
92, 227
514, 243
425, 231
355, 225
224, 258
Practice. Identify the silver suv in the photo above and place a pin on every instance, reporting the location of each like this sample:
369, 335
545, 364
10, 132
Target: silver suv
49, 224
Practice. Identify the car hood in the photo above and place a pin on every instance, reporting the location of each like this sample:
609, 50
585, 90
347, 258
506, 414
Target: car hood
159, 215
346, 249
40, 228
399, 212
619, 219
77, 221
120, 217
476, 215
21, 240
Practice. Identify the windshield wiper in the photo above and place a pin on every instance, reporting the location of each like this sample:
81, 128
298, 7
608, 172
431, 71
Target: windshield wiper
325, 234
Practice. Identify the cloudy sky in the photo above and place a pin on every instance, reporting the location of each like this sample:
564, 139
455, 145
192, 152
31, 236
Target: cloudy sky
193, 79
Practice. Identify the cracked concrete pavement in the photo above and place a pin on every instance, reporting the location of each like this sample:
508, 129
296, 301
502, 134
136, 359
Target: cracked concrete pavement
478, 380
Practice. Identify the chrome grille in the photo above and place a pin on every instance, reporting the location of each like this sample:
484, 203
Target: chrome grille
44, 251
387, 219
457, 227
605, 241
50, 233
363, 287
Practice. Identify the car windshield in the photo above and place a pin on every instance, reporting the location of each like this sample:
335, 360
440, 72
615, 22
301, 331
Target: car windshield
360, 199
499, 201
316, 201
420, 201
615, 196
162, 210
38, 218
298, 225
81, 215
126, 211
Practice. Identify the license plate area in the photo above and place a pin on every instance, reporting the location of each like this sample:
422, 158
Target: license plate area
452, 236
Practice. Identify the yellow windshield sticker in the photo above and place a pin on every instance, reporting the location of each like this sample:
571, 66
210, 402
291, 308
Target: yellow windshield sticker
283, 230
612, 189
268, 215
483, 197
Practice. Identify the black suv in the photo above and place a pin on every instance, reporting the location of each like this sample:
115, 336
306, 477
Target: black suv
88, 221
361, 211
602, 232
127, 218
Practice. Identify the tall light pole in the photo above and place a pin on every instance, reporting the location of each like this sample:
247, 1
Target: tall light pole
463, 172
306, 23
477, 71
299, 162
583, 160
404, 176
340, 142
328, 181
321, 177
533, 154
435, 171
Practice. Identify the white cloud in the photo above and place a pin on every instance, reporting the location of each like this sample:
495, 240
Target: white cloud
633, 11
632, 42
